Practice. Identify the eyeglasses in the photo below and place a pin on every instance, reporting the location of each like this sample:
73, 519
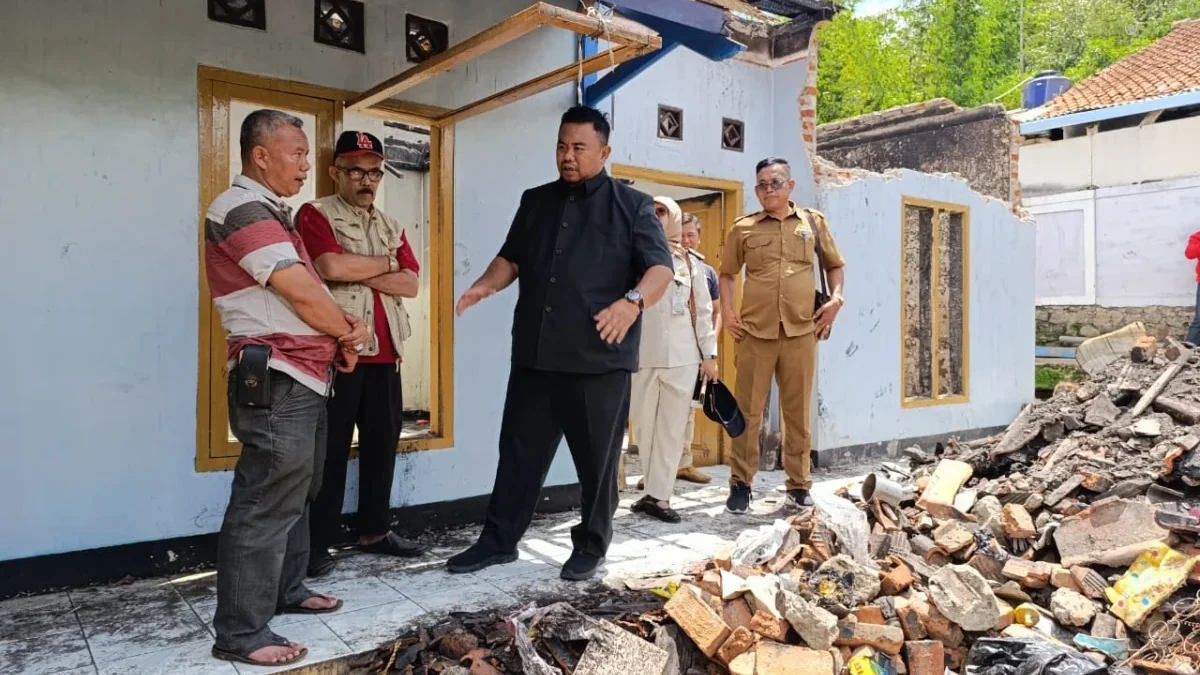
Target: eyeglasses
357, 174
770, 187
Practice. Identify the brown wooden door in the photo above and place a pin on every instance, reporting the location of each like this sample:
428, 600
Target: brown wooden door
708, 444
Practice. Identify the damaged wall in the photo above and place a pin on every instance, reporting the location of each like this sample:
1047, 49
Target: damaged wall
859, 376
931, 137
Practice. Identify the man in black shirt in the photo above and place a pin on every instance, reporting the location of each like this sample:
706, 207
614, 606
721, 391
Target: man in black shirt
590, 255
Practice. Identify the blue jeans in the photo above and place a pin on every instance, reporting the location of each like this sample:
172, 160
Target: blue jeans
1193, 334
262, 552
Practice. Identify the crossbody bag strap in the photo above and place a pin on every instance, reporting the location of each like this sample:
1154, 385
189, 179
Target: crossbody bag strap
687, 260
812, 224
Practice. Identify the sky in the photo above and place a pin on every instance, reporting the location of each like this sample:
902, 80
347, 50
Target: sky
871, 7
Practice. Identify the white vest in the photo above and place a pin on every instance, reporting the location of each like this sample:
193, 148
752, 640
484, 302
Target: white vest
372, 233
669, 339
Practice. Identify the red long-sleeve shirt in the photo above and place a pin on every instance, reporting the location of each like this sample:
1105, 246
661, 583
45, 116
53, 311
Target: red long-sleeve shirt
1193, 252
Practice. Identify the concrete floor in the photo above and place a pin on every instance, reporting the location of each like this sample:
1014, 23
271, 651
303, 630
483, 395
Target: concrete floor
165, 625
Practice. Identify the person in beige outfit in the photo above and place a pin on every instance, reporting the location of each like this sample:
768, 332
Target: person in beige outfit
678, 344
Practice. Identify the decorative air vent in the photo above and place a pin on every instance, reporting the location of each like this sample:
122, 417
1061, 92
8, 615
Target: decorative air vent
670, 123
246, 13
733, 135
426, 38
340, 23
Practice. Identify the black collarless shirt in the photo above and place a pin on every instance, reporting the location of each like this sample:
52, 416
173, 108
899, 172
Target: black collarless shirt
579, 248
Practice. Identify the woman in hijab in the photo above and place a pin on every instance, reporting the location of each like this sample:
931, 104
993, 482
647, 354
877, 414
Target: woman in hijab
678, 347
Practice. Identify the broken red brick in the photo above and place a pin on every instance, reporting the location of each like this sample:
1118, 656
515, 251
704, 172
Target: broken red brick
777, 659
1017, 522
457, 644
884, 638
951, 536
698, 620
910, 622
1028, 574
897, 580
870, 614
739, 642
736, 614
924, 657
770, 627
711, 582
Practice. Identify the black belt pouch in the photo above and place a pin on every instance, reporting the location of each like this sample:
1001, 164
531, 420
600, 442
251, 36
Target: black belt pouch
254, 376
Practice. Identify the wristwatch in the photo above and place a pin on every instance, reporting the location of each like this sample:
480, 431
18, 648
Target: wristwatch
636, 298
393, 265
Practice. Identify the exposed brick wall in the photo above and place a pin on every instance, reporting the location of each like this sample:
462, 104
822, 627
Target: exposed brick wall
808, 101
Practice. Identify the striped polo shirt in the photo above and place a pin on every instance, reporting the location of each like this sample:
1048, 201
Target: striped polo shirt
248, 235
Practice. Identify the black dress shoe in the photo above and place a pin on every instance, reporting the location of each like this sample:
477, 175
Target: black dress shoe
394, 544
320, 563
581, 566
476, 558
650, 506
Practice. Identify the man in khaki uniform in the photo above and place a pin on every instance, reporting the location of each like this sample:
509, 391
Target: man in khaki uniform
776, 329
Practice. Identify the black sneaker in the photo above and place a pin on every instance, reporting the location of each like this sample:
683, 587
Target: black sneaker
799, 498
650, 506
581, 566
476, 558
394, 544
320, 562
739, 499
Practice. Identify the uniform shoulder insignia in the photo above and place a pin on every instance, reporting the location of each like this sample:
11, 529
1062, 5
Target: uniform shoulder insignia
696, 254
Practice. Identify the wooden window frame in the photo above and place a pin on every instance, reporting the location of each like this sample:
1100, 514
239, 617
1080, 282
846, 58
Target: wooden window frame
936, 399
628, 40
214, 452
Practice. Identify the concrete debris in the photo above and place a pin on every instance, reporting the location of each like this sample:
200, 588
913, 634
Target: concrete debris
1112, 533
1071, 608
816, 626
964, 597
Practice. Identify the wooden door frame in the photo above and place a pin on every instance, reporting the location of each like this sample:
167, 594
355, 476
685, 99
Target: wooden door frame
214, 180
733, 204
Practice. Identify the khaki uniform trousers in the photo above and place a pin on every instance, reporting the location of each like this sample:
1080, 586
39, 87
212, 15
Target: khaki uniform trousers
689, 434
660, 403
792, 362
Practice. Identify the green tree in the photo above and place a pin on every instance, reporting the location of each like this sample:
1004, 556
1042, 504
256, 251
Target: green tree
970, 51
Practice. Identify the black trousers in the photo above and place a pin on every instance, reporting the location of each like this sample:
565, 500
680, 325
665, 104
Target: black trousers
370, 398
539, 409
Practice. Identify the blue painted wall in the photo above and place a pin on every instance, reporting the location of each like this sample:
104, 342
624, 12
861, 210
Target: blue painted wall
859, 367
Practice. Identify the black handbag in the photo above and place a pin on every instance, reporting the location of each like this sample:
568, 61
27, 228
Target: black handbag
821, 296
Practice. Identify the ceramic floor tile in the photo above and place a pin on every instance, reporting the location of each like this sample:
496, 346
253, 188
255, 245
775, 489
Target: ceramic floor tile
44, 654
136, 624
357, 593
365, 629
528, 563
197, 587
470, 596
428, 582
86, 670
37, 616
148, 590
373, 564
544, 586
193, 658
322, 643
207, 610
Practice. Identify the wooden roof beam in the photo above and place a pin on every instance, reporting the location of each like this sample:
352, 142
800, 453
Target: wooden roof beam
550, 80
618, 30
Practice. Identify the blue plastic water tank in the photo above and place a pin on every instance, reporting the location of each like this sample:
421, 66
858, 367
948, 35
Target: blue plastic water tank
1044, 87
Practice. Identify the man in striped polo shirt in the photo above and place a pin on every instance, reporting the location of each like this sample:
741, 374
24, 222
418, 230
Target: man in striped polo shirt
263, 284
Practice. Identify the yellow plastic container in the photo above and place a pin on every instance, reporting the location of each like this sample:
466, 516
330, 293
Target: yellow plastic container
1027, 615
1152, 578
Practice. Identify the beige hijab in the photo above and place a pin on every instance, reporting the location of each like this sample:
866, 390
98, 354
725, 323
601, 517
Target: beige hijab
673, 226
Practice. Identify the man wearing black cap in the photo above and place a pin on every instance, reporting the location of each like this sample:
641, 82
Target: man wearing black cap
589, 255
362, 254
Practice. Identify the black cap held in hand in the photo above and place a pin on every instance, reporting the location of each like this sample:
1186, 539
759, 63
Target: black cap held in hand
354, 143
721, 407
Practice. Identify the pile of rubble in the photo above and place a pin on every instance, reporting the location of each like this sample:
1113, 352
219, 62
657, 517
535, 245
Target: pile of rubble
1063, 546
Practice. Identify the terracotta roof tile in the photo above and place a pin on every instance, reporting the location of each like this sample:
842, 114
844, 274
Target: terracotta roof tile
1167, 67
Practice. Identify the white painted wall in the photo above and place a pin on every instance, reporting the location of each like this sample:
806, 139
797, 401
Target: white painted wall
1139, 234
1111, 158
99, 197
859, 367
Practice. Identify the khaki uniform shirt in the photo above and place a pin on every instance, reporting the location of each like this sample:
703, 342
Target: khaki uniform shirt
780, 260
